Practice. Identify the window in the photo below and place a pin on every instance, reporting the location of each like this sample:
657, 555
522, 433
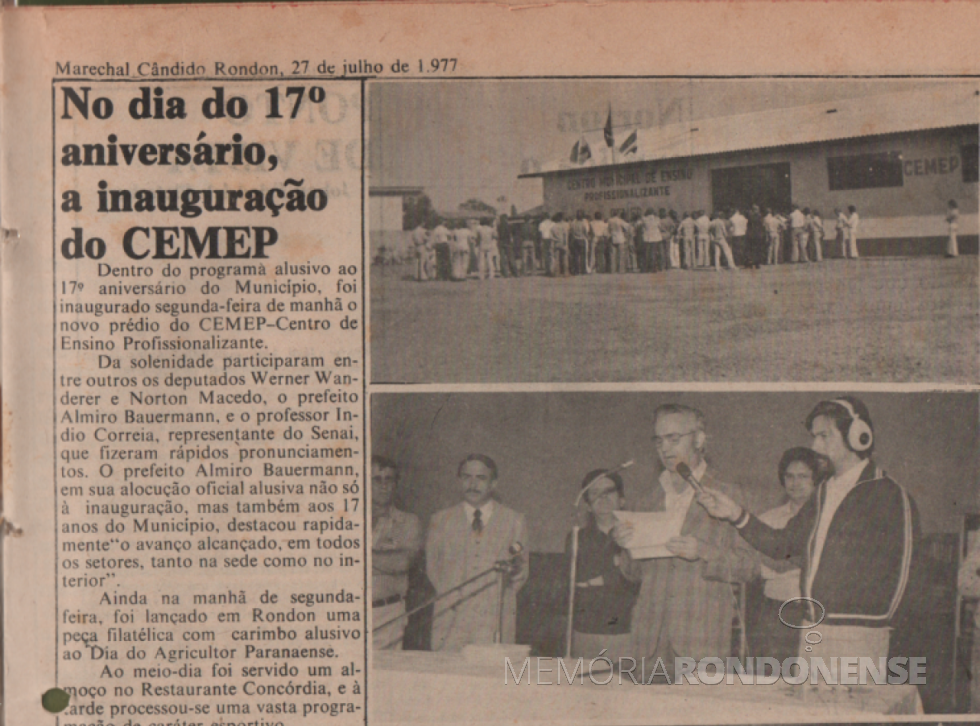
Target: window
970, 155
867, 171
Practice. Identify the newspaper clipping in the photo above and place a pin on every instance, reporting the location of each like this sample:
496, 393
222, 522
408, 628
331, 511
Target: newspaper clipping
444, 363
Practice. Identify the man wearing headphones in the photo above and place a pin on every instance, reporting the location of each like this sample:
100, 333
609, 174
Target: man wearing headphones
855, 537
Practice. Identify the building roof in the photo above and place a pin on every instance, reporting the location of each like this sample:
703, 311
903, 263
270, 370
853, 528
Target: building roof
942, 107
395, 191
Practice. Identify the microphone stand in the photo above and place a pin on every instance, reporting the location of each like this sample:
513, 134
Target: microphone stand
498, 636
571, 593
497, 567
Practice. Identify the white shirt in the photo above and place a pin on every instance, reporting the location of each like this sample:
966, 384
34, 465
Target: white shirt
740, 223
837, 488
702, 223
780, 586
486, 511
678, 504
797, 219
463, 239
545, 228
617, 227
853, 222
440, 235
600, 229
651, 229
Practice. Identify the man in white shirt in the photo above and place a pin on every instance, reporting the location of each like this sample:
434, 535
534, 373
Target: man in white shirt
463, 244
740, 225
488, 260
599, 259
856, 536
652, 257
546, 230
773, 234
800, 232
841, 228
702, 225
685, 603
618, 232
686, 232
422, 252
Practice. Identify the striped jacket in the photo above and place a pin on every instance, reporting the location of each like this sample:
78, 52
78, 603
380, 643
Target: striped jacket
686, 608
867, 556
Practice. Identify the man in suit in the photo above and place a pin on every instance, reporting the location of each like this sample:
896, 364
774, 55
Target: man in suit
464, 541
686, 603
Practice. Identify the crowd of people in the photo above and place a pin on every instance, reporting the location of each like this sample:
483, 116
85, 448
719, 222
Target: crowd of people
842, 542
627, 241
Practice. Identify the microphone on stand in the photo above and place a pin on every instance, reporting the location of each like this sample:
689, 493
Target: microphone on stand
583, 490
507, 571
512, 565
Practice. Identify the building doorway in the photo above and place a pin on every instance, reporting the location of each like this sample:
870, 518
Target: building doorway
767, 185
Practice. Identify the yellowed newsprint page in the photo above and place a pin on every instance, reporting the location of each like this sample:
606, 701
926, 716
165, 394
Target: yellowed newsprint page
486, 363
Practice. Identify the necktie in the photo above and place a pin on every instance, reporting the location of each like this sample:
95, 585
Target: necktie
477, 521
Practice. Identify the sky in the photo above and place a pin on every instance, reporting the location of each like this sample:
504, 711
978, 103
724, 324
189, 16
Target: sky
471, 139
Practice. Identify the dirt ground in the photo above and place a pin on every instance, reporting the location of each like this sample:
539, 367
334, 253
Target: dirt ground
882, 319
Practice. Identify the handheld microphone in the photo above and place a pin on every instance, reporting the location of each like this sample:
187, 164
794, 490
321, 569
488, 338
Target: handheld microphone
687, 475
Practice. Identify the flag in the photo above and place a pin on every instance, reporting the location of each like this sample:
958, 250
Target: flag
581, 152
608, 131
629, 146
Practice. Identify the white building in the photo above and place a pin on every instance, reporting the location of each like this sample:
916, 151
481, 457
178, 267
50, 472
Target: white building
899, 158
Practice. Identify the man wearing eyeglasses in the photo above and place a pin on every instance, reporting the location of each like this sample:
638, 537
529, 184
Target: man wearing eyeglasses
686, 603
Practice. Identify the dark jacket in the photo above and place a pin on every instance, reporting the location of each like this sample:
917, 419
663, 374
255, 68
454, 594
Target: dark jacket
863, 573
603, 609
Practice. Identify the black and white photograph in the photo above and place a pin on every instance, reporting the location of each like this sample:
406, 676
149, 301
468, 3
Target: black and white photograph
703, 230
486, 507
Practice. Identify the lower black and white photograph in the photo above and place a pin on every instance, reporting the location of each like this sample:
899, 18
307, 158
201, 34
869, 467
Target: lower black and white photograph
757, 229
674, 557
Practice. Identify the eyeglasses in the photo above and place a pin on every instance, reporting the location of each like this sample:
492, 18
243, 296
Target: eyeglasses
595, 496
672, 439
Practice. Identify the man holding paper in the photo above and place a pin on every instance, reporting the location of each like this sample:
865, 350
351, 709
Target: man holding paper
686, 604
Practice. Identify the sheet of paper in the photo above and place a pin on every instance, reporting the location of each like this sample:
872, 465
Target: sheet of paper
651, 530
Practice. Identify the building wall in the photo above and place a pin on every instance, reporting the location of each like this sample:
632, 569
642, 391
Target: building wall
906, 219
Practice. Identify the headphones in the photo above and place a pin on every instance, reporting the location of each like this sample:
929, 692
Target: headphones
859, 434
